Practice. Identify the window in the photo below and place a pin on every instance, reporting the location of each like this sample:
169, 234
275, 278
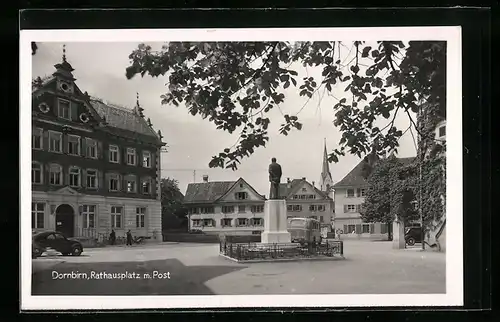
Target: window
74, 177
55, 142
196, 222
258, 222
114, 182
321, 207
146, 159
36, 173
321, 219
140, 213
259, 208
193, 210
351, 208
350, 193
242, 209
302, 196
297, 208
88, 216
226, 222
64, 110
311, 197
91, 146
227, 209
362, 192
207, 210
295, 197
55, 174
242, 222
146, 186
304, 189
37, 139
91, 179
131, 183
351, 229
116, 216
442, 131
208, 222
37, 215
241, 195
113, 154
366, 229
130, 156
73, 145
312, 208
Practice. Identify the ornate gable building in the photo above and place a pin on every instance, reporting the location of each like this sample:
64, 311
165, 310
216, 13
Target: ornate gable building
95, 166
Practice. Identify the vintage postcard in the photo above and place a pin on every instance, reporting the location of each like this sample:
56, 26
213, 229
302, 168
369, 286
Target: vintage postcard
228, 168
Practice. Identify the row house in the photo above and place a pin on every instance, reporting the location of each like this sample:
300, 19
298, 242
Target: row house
225, 207
95, 165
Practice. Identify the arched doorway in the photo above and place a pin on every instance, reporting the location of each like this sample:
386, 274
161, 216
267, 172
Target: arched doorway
65, 220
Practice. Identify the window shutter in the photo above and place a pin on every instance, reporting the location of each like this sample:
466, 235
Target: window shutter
358, 208
74, 111
105, 178
153, 160
83, 145
358, 229
45, 140
358, 192
65, 176
64, 138
83, 182
120, 182
345, 229
372, 228
345, 208
46, 173
100, 151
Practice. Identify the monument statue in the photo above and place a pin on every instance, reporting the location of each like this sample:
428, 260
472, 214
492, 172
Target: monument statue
274, 179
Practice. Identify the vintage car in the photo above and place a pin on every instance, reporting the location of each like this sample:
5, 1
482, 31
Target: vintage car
46, 240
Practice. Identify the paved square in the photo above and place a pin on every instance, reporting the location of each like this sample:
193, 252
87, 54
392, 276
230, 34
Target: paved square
196, 269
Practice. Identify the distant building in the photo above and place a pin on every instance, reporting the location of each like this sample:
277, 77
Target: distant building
224, 207
95, 166
349, 196
303, 199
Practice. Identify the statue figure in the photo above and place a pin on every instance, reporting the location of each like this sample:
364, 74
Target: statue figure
274, 179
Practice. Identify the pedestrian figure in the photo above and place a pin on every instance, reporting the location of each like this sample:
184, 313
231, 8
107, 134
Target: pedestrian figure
112, 237
129, 238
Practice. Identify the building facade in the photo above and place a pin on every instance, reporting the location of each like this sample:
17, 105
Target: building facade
236, 208
95, 166
225, 207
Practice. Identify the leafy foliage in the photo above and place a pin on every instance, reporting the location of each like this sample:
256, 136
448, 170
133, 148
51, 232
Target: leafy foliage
235, 85
174, 213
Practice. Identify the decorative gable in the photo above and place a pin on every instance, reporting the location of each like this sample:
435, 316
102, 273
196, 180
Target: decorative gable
67, 191
241, 191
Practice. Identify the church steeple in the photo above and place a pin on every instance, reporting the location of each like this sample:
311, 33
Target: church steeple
326, 181
64, 69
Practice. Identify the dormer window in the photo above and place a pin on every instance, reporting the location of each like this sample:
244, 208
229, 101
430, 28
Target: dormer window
64, 110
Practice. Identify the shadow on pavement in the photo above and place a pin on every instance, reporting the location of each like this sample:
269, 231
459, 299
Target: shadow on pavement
184, 280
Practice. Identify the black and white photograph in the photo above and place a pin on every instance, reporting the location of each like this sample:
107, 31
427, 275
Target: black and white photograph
237, 168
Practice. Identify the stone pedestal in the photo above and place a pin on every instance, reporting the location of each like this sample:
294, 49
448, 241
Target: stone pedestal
398, 235
275, 223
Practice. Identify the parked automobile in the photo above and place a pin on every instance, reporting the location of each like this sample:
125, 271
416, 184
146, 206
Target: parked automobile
413, 235
55, 240
304, 230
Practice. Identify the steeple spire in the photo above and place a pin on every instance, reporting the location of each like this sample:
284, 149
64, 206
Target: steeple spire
326, 181
64, 53
64, 69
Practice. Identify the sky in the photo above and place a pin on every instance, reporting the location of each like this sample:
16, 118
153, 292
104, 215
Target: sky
192, 141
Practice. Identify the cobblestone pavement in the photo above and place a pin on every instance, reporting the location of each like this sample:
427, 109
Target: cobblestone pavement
370, 267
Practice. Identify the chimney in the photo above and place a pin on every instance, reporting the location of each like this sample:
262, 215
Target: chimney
205, 178
304, 178
288, 183
314, 184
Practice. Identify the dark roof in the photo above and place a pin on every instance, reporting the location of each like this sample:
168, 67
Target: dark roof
207, 191
355, 176
122, 118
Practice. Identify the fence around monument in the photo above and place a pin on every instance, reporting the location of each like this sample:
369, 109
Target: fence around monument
255, 251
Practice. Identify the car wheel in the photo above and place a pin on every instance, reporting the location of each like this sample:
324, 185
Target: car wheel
410, 241
36, 253
77, 251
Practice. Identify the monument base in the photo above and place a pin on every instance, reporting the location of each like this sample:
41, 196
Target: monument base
275, 223
272, 237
